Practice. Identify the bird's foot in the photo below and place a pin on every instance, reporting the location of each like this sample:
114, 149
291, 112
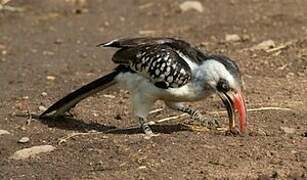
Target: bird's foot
149, 136
147, 131
209, 123
232, 132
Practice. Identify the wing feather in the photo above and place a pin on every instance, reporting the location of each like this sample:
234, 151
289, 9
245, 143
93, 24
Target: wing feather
158, 63
157, 59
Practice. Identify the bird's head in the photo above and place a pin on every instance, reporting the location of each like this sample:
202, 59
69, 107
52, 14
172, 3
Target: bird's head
222, 76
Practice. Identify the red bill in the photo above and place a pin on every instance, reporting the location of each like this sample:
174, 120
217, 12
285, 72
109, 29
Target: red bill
234, 103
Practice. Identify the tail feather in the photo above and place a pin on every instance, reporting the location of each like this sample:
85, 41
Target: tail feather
70, 100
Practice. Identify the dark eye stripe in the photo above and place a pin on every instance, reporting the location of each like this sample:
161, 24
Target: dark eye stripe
223, 85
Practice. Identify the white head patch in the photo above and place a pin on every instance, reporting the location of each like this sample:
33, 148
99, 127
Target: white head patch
211, 71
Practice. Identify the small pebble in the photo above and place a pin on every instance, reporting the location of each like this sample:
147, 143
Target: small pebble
265, 45
24, 140
232, 38
104, 137
78, 2
106, 23
42, 108
121, 18
109, 96
25, 97
31, 152
44, 94
2, 132
92, 131
288, 130
147, 32
191, 5
51, 78
49, 53
261, 132
34, 50
95, 114
83, 55
58, 41
23, 128
245, 37
142, 167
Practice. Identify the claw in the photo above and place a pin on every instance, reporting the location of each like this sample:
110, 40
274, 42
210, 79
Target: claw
150, 135
210, 123
232, 132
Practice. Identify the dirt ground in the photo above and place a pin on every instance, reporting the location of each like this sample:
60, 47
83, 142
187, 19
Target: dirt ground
47, 49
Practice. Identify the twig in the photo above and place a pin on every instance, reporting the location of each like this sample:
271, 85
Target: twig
109, 96
10, 8
277, 48
147, 32
169, 118
282, 67
64, 139
269, 108
156, 111
144, 6
197, 128
283, 46
257, 109
223, 112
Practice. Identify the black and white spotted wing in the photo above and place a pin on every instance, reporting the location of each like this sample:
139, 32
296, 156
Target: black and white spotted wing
159, 63
156, 59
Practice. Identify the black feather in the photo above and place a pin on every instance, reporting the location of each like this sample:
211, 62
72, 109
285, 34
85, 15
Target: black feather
70, 100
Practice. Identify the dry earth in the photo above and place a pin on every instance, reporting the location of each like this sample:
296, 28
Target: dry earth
49, 46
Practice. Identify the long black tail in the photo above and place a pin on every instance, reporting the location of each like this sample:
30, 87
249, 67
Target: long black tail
70, 100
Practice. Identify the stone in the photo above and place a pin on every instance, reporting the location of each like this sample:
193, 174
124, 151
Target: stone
42, 108
232, 38
142, 167
265, 45
288, 130
2, 132
51, 78
191, 5
24, 140
31, 152
44, 94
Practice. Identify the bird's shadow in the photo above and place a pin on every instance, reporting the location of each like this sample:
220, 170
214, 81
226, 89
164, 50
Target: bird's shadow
71, 123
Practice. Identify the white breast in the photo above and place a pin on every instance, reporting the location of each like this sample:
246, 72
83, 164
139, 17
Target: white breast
139, 84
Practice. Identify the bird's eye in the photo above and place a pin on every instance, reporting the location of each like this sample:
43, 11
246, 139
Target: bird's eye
222, 86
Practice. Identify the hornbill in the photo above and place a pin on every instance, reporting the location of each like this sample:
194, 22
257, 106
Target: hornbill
165, 69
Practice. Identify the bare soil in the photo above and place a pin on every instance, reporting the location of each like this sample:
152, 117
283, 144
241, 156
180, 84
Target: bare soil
57, 38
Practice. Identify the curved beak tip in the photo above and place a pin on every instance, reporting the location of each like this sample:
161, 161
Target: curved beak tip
235, 103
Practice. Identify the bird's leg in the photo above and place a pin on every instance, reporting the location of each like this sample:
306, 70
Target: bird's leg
141, 107
195, 114
145, 127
